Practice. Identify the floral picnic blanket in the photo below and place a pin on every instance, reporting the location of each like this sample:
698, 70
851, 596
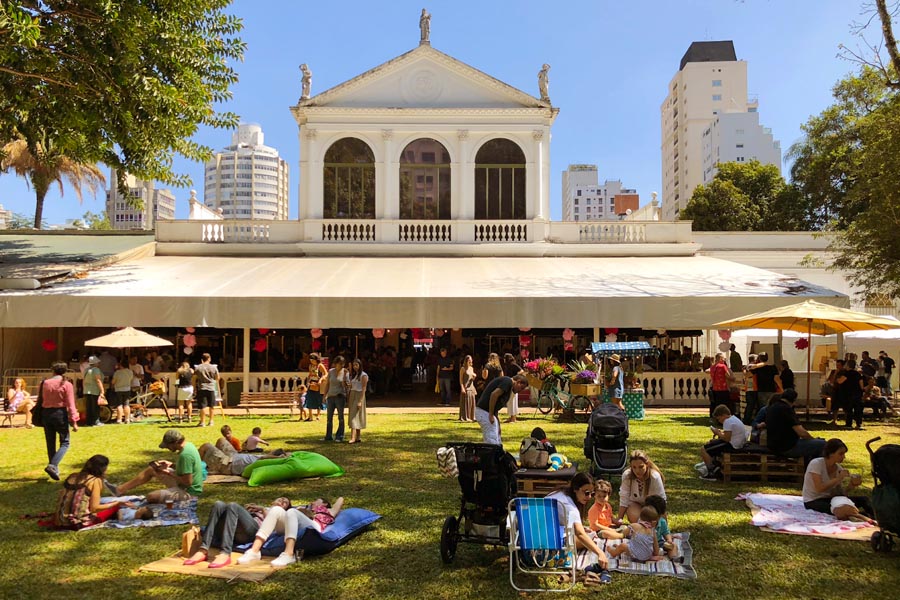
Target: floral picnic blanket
181, 513
786, 514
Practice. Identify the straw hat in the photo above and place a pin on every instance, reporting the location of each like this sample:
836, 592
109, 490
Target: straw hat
615, 358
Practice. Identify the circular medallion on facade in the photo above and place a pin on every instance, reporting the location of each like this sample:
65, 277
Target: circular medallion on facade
423, 86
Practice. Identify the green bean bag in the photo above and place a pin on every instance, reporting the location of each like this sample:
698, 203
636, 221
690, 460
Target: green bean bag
297, 466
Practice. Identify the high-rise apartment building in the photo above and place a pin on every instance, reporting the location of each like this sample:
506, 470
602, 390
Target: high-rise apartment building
738, 137
710, 83
248, 180
143, 209
585, 199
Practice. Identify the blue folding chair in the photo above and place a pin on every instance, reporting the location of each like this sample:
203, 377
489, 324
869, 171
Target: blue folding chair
541, 542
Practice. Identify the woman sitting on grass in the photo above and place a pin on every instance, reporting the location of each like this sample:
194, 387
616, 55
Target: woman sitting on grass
641, 479
79, 501
823, 486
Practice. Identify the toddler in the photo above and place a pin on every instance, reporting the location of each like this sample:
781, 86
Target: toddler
127, 514
253, 442
304, 411
226, 433
538, 434
663, 535
600, 516
643, 545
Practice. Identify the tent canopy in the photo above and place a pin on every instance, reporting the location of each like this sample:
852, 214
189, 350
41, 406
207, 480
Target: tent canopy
363, 292
622, 348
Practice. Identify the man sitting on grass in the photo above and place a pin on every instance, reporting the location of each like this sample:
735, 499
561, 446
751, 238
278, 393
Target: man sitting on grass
183, 479
223, 460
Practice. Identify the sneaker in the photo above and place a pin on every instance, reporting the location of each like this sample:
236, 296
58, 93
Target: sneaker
248, 557
52, 471
700, 466
114, 489
99, 424
328, 439
605, 577
284, 559
703, 470
708, 478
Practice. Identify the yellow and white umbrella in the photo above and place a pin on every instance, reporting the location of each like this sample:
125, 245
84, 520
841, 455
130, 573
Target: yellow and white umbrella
812, 318
128, 337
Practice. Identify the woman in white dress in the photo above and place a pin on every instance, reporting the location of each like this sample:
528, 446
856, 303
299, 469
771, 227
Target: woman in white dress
359, 381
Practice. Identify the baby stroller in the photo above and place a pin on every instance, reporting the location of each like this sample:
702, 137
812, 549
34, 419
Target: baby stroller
886, 495
488, 482
605, 444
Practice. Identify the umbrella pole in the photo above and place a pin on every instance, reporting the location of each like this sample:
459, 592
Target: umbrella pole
808, 363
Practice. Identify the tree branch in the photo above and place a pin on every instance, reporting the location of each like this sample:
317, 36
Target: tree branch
33, 76
889, 40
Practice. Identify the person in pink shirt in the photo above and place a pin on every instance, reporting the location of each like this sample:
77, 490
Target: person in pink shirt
720, 375
58, 400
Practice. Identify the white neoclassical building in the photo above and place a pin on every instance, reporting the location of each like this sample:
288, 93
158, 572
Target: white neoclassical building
425, 146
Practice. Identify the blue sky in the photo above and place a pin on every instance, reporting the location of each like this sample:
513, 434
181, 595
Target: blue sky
611, 62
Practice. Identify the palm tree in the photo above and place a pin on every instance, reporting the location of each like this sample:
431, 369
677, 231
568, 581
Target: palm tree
45, 165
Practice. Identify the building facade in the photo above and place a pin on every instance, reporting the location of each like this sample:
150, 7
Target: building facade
585, 199
248, 180
710, 81
5, 217
738, 137
144, 206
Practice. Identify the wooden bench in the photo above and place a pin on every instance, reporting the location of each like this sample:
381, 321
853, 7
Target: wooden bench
251, 400
755, 466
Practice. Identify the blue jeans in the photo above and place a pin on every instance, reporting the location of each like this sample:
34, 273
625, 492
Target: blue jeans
807, 449
335, 403
229, 525
56, 422
446, 385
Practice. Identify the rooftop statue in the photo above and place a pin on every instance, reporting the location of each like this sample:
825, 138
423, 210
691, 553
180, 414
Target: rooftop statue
544, 82
425, 28
305, 81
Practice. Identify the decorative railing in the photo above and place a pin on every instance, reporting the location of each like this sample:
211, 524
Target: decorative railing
235, 231
613, 233
675, 389
425, 232
348, 231
501, 232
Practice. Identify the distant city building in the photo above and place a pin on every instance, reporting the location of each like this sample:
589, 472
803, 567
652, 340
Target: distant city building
738, 137
710, 83
5, 217
584, 199
247, 180
155, 204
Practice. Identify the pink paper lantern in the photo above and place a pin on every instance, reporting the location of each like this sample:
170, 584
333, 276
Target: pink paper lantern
569, 347
260, 345
316, 345
189, 329
48, 345
610, 330
801, 343
378, 333
725, 334
263, 331
524, 340
188, 350
568, 334
524, 353
315, 333
189, 340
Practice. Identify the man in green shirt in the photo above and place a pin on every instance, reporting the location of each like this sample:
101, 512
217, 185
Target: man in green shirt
183, 479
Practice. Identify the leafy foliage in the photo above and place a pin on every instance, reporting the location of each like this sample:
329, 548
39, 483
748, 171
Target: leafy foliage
123, 82
720, 206
99, 222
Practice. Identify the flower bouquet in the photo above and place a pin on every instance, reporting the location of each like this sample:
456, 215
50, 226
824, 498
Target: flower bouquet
583, 379
540, 369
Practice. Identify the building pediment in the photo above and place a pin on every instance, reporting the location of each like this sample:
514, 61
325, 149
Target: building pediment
424, 78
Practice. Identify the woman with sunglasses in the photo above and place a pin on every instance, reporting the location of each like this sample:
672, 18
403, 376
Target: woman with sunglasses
641, 479
575, 499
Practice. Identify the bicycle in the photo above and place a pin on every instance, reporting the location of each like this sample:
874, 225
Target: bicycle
552, 397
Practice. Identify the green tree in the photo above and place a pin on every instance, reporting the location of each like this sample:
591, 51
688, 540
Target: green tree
44, 167
99, 222
20, 221
122, 82
720, 206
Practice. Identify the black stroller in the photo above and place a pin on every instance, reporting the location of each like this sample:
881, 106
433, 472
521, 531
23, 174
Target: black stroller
488, 482
886, 495
605, 443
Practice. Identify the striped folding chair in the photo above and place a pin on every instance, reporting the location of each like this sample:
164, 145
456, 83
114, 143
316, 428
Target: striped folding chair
541, 542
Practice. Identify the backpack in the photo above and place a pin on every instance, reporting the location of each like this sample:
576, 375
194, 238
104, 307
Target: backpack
533, 454
74, 508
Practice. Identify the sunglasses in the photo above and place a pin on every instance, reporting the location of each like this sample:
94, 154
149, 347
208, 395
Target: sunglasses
589, 494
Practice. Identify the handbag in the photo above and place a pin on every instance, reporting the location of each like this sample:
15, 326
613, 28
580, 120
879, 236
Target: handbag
533, 454
102, 401
37, 411
190, 541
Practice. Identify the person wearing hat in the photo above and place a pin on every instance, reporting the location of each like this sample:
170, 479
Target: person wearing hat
182, 479
616, 382
93, 391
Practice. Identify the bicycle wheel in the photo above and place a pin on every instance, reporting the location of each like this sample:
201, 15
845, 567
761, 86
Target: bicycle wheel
545, 403
105, 414
580, 403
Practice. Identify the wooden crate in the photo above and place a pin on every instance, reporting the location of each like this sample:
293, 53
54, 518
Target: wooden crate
740, 466
537, 483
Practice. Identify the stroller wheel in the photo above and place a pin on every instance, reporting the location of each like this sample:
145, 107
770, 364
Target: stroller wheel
877, 541
449, 539
887, 542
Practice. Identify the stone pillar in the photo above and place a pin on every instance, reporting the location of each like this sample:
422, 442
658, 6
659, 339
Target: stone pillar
387, 195
311, 204
464, 179
539, 205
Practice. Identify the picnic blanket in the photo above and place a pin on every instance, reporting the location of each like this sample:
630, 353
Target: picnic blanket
682, 567
216, 478
255, 571
780, 513
181, 513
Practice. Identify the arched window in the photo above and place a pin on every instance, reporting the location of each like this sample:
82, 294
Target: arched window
348, 190
425, 180
500, 181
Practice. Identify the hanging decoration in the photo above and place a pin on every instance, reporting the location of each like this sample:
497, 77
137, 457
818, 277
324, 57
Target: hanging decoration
725, 334
188, 350
660, 332
801, 343
260, 345
315, 333
610, 338
263, 331
569, 347
189, 340
524, 340
48, 345
378, 333
724, 346
190, 329
524, 329
611, 330
568, 334
438, 332
524, 353
316, 345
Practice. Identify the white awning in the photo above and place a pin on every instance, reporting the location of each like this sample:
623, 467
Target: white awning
362, 292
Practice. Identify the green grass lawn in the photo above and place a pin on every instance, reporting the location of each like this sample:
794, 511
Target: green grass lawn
394, 473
